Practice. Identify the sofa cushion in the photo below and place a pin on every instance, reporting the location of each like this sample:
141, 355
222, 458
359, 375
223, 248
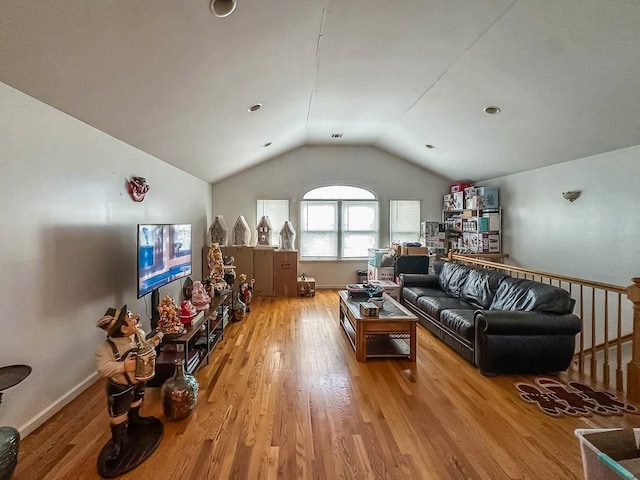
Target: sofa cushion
411, 294
460, 322
432, 306
452, 277
529, 295
480, 287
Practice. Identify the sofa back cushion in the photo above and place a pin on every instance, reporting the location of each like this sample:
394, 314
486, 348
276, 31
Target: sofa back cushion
529, 295
452, 277
480, 287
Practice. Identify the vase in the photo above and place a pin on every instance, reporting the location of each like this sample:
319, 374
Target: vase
239, 308
9, 443
179, 393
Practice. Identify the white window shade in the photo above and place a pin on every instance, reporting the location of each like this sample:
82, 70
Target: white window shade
404, 221
318, 229
359, 228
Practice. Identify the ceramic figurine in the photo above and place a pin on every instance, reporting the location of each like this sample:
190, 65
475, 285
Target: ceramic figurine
264, 231
287, 236
241, 232
218, 231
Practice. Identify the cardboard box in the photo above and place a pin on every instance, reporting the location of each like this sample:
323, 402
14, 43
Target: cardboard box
459, 187
609, 453
368, 309
382, 257
285, 273
448, 203
263, 271
414, 250
488, 197
458, 200
380, 273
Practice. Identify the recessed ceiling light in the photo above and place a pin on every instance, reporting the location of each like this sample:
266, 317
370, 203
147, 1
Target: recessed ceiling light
255, 107
336, 135
492, 110
222, 8
428, 145
268, 144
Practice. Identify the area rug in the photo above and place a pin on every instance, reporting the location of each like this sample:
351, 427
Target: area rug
574, 399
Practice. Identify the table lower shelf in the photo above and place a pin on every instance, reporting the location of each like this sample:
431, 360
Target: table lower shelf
380, 345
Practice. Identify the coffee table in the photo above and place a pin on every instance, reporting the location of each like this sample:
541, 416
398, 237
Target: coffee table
391, 334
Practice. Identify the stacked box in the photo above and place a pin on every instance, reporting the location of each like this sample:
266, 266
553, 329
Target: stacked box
458, 200
381, 257
488, 197
448, 203
414, 250
458, 187
380, 273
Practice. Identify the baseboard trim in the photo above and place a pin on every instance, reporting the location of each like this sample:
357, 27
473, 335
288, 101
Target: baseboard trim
56, 406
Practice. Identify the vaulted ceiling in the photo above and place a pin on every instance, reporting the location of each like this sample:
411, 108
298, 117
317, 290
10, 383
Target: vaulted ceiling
173, 80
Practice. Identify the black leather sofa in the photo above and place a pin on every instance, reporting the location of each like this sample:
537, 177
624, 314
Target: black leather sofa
499, 323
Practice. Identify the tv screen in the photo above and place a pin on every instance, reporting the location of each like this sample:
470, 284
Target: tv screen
164, 255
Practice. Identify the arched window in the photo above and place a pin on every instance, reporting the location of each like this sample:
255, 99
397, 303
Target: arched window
338, 221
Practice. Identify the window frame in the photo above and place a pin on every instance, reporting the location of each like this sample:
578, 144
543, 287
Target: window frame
340, 232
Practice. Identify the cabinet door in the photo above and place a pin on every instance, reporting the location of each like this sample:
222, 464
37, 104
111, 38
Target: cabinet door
263, 271
285, 273
243, 257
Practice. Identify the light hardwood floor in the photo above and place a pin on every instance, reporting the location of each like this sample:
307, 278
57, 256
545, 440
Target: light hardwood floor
284, 398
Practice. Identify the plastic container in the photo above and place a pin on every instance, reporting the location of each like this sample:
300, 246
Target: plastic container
597, 464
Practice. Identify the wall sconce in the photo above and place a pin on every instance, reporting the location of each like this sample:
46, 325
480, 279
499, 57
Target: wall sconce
571, 195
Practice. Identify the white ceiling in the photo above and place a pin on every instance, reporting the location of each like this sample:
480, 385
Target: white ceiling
171, 79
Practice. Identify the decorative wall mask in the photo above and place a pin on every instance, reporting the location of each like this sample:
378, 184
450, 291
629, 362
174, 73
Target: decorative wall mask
138, 188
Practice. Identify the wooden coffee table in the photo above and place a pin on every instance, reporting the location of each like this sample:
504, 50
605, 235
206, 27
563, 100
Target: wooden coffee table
391, 334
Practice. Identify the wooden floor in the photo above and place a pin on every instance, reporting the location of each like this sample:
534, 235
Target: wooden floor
284, 398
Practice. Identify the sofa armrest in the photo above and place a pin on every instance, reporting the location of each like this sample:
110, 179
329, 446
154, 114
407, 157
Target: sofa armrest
418, 280
508, 322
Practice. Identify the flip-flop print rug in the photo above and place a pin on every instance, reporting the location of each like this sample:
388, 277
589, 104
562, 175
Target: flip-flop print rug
575, 399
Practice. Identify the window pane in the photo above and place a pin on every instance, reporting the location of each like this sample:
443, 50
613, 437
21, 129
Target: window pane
319, 216
360, 216
319, 244
404, 221
357, 244
335, 192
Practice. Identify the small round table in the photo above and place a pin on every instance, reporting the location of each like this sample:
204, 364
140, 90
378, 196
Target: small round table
10, 437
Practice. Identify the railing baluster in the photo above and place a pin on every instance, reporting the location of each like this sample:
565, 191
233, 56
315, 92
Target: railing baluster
594, 370
619, 372
606, 369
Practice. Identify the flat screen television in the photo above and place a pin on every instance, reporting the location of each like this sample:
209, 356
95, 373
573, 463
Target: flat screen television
164, 255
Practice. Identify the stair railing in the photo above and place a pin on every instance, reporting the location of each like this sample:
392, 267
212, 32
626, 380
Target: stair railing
611, 325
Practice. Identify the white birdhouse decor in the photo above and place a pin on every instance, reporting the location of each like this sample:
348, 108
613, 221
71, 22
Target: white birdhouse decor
241, 232
218, 231
264, 231
287, 237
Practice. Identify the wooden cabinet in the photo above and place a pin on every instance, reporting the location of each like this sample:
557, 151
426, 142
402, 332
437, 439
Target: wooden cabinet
285, 273
263, 271
243, 259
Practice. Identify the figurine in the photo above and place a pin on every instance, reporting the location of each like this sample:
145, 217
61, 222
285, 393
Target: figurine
128, 361
264, 231
287, 236
246, 289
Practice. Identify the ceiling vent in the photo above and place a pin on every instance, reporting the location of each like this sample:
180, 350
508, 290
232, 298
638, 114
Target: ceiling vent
336, 135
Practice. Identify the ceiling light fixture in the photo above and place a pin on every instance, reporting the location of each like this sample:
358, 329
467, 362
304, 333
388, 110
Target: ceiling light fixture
255, 107
268, 144
571, 195
222, 8
492, 110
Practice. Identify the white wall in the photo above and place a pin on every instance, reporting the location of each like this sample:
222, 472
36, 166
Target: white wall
596, 237
291, 175
68, 245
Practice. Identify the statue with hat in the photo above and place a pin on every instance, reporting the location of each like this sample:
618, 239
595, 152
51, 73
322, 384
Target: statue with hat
127, 360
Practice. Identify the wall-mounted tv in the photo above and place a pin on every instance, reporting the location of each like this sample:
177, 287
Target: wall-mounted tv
164, 255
